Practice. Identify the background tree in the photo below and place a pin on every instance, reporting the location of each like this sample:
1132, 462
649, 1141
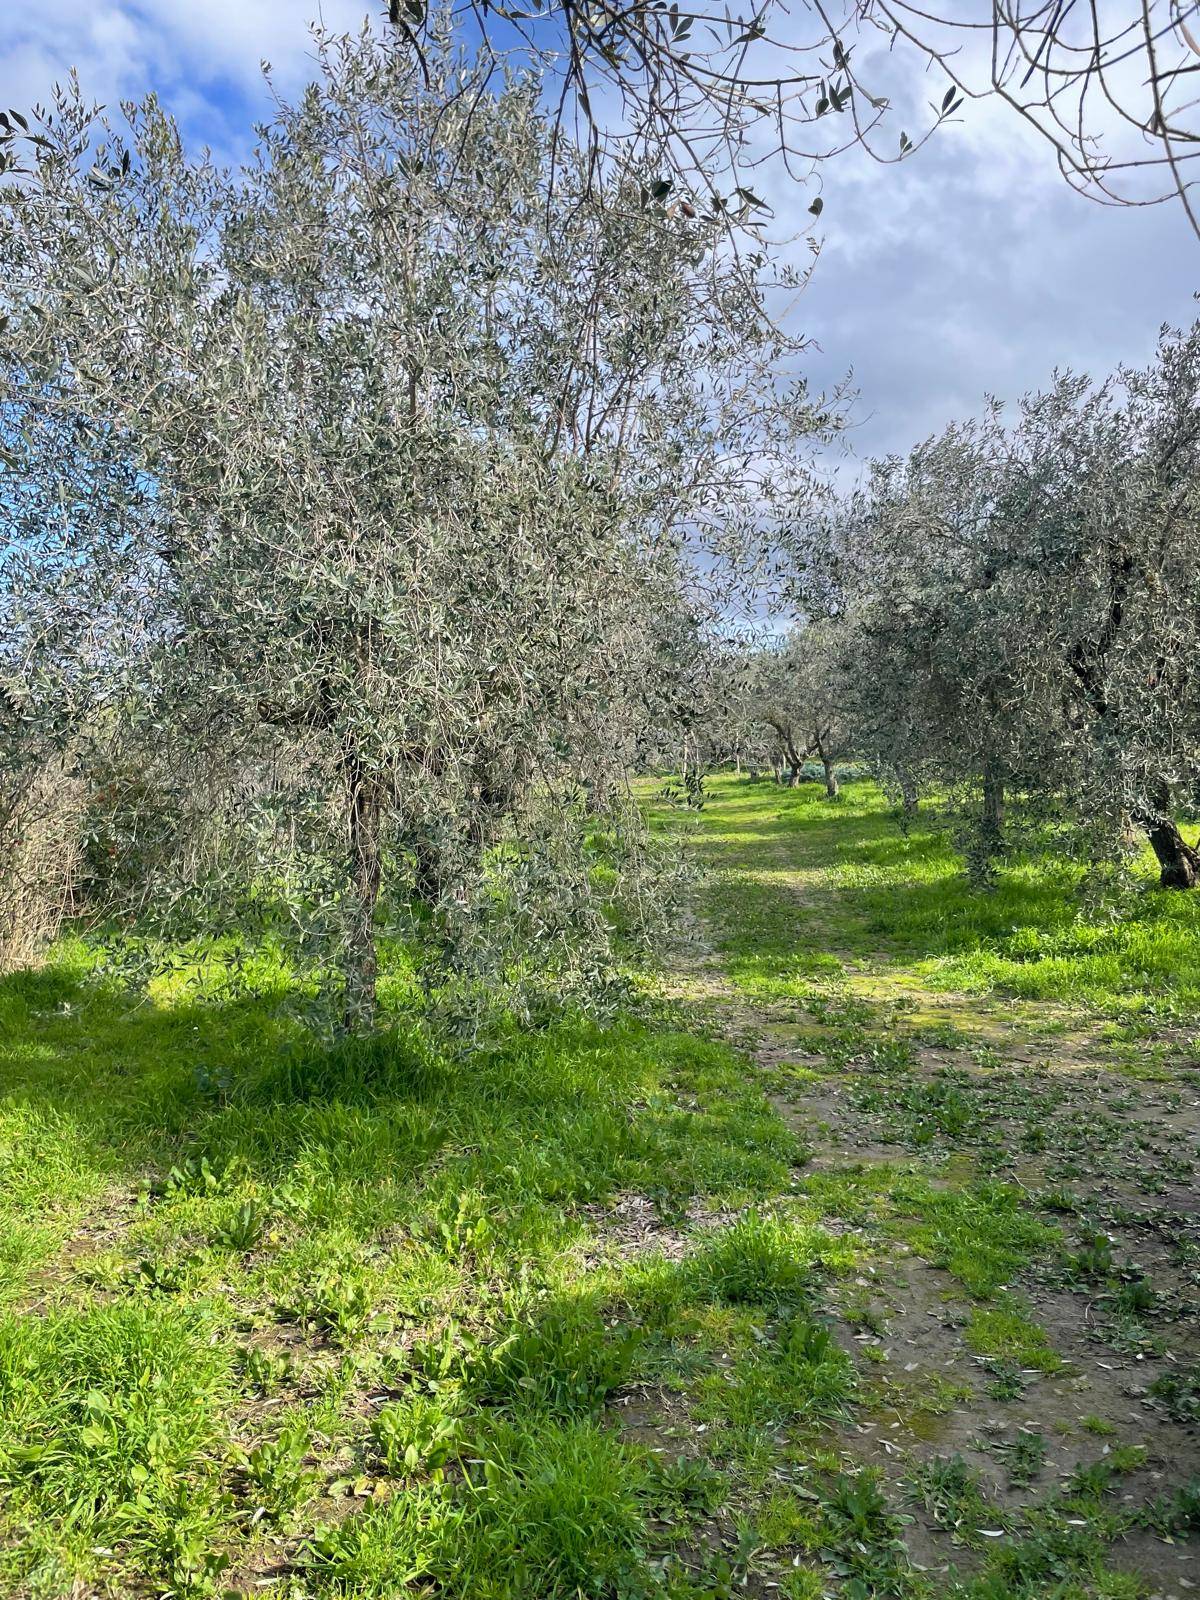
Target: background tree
773, 705
816, 652
1023, 608
793, 691
930, 685
1102, 520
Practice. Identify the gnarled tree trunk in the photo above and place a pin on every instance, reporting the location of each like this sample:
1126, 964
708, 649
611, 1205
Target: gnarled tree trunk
986, 839
831, 783
1178, 862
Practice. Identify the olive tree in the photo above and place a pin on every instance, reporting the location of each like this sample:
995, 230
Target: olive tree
794, 691
1022, 603
930, 678
1102, 524
816, 654
399, 449
773, 705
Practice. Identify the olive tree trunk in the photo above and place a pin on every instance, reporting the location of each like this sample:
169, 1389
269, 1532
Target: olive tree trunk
1178, 863
796, 760
910, 799
985, 841
832, 788
992, 812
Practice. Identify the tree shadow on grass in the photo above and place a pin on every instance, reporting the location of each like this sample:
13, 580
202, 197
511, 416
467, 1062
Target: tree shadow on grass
120, 1088
100, 1088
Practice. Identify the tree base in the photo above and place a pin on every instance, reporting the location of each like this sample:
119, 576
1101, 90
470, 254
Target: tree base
1179, 864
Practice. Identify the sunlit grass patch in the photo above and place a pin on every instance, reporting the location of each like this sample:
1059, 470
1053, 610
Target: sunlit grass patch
862, 887
112, 1422
982, 1234
767, 951
1144, 965
550, 1509
793, 1374
764, 1260
1006, 1332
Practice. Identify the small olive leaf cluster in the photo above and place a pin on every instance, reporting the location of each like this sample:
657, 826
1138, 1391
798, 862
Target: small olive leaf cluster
356, 499
1020, 609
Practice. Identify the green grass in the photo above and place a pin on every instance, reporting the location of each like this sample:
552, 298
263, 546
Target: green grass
554, 1509
981, 1233
338, 1305
566, 1315
815, 884
207, 1213
1006, 1332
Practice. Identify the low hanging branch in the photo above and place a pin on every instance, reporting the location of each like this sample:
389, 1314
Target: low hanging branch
715, 95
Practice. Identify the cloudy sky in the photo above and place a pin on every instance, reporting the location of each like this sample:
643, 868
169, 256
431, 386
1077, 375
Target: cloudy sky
969, 269
973, 268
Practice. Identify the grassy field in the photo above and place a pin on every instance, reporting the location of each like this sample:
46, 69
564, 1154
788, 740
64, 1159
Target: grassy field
871, 890
864, 1262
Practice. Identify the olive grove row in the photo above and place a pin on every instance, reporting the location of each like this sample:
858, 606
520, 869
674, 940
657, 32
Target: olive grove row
373, 511
1013, 612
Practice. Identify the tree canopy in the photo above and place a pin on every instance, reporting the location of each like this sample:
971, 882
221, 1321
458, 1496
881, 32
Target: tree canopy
1018, 605
369, 474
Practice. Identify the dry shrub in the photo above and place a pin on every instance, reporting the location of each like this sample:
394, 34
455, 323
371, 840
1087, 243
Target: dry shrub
40, 849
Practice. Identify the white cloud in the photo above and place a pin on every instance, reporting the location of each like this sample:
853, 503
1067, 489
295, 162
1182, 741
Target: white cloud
200, 58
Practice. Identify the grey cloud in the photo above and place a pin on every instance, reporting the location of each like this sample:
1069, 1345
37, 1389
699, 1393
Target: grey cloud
939, 284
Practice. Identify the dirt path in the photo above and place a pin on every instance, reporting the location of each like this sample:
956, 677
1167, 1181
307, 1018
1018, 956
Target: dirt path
1006, 1403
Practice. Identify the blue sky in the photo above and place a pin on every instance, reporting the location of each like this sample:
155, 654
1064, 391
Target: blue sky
969, 269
